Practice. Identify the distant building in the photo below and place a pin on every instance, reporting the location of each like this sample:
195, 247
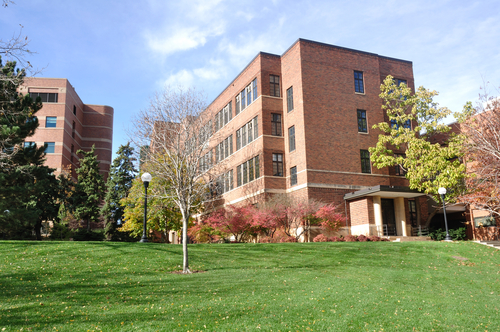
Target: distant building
67, 125
301, 124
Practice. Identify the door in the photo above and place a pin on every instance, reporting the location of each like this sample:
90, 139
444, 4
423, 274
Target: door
388, 217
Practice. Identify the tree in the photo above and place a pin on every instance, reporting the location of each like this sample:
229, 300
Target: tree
177, 132
163, 214
414, 119
89, 190
118, 186
235, 221
482, 145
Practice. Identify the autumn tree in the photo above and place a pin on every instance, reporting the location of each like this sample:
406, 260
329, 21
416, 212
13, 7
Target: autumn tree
89, 191
118, 186
414, 119
482, 145
235, 221
178, 134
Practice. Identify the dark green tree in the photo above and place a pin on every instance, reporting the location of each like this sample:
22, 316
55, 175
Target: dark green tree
118, 186
29, 192
89, 191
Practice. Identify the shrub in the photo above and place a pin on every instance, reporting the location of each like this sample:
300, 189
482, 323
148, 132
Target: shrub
286, 239
267, 239
351, 238
384, 239
60, 231
321, 238
336, 239
455, 234
363, 238
374, 238
86, 235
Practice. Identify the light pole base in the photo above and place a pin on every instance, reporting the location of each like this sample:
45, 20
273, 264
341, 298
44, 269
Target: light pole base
448, 239
144, 239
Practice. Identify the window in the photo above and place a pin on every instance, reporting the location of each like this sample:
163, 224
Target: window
276, 124
45, 97
205, 162
396, 125
225, 182
246, 97
358, 82
50, 147
365, 161
412, 207
293, 176
289, 99
224, 149
50, 122
74, 109
248, 133
362, 127
277, 164
73, 127
291, 138
398, 169
29, 144
399, 81
274, 85
248, 171
72, 151
223, 117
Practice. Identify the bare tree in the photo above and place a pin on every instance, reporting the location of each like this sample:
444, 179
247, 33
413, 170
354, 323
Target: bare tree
179, 131
482, 129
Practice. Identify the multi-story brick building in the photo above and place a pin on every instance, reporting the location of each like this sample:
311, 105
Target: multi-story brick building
67, 125
301, 124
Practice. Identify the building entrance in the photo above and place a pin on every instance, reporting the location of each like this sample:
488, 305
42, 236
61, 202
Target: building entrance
388, 217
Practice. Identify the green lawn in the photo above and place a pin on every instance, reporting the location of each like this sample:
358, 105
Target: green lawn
371, 286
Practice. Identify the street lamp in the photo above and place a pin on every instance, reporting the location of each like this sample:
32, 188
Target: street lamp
146, 178
442, 192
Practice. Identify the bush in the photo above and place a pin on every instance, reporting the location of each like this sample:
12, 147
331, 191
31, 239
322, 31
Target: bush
351, 238
321, 238
455, 234
384, 239
267, 239
286, 239
363, 238
85, 235
337, 239
374, 238
60, 232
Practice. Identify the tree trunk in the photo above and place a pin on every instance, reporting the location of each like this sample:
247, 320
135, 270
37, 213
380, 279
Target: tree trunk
38, 233
185, 261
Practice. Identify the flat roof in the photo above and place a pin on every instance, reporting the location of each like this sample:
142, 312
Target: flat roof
384, 191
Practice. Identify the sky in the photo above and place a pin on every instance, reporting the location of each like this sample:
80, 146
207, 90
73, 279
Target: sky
119, 53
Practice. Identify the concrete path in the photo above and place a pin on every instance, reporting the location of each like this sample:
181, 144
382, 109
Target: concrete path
494, 244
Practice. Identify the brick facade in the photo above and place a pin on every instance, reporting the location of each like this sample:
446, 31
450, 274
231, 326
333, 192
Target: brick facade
78, 125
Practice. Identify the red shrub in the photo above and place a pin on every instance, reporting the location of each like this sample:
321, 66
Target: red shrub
351, 238
384, 239
320, 238
363, 238
336, 239
267, 239
374, 238
285, 239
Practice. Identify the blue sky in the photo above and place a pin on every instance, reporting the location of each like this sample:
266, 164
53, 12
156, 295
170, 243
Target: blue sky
118, 53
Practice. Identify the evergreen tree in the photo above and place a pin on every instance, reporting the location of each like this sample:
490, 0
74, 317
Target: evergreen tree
118, 187
29, 192
89, 191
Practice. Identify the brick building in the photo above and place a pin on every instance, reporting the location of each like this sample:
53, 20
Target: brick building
67, 125
300, 124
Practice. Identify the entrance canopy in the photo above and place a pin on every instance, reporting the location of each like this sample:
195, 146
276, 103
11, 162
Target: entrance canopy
384, 191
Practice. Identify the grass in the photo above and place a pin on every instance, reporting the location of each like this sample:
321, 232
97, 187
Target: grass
373, 286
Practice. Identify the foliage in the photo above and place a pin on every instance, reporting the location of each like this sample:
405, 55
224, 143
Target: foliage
203, 233
163, 215
337, 239
321, 238
350, 238
60, 231
482, 128
234, 221
459, 234
329, 219
83, 234
118, 186
374, 238
428, 165
89, 190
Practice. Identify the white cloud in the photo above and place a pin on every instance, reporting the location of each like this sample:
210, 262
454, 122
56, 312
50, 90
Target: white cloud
182, 78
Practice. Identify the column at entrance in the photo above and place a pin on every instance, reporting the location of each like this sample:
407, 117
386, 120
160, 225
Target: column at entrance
399, 211
377, 211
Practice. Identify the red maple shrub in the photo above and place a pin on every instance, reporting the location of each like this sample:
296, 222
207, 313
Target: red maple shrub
363, 238
329, 219
235, 221
351, 238
374, 238
337, 239
321, 238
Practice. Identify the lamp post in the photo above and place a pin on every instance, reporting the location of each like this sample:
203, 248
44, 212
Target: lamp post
146, 178
442, 192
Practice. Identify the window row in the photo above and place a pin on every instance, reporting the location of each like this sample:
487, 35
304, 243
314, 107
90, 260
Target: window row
205, 132
224, 149
223, 117
225, 182
363, 126
205, 162
247, 133
248, 171
278, 168
50, 147
246, 96
45, 97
